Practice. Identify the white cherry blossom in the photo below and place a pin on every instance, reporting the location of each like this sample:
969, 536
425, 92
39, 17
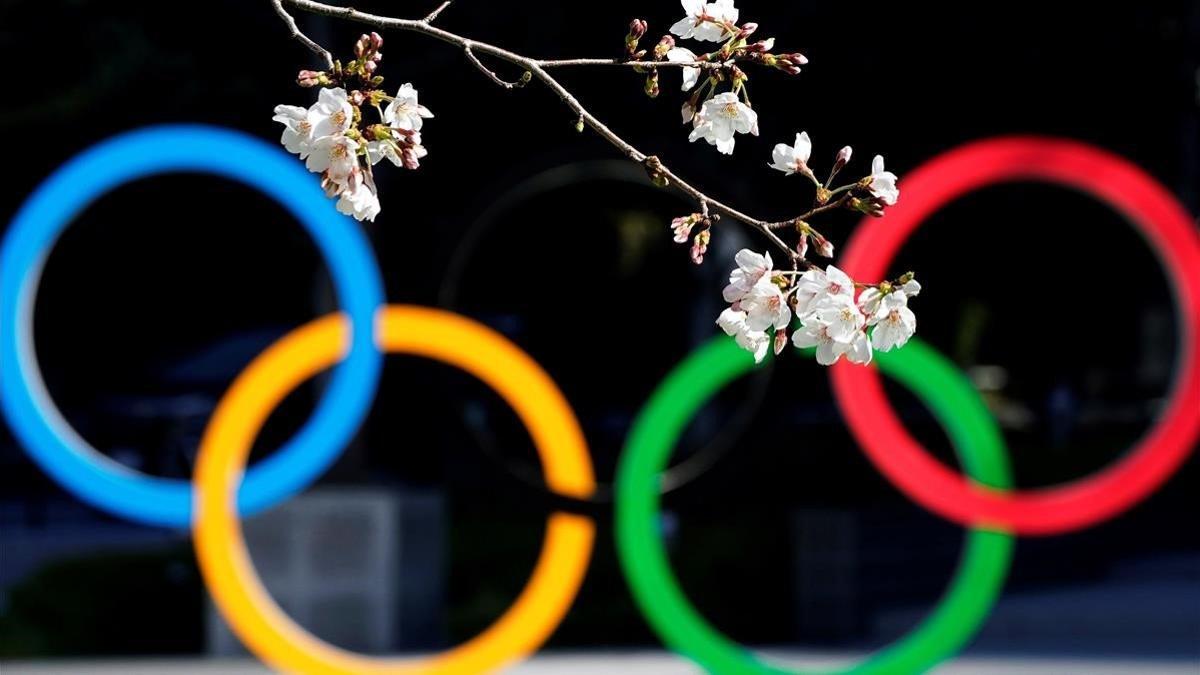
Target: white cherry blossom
361, 201
870, 302
838, 282
859, 349
720, 118
404, 111
405, 153
756, 342
841, 318
704, 21
794, 158
297, 131
815, 335
876, 305
817, 286
691, 75
765, 306
331, 114
388, 149
883, 183
751, 267
733, 322
336, 155
896, 323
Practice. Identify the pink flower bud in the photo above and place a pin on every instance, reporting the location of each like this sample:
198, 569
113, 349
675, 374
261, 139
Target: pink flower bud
790, 63
824, 246
688, 112
781, 340
802, 245
682, 227
844, 154
843, 157
637, 29
747, 30
666, 44
376, 41
700, 246
356, 97
761, 47
409, 158
308, 78
869, 206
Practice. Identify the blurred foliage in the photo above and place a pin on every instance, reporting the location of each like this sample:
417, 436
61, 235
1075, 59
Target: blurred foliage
121, 603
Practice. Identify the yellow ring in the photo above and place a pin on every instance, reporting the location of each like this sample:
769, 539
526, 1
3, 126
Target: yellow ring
226, 565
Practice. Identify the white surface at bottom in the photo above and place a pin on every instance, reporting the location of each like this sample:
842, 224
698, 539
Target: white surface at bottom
639, 663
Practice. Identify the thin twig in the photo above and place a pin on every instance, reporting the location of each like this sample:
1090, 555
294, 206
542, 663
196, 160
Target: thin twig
491, 73
831, 206
538, 69
432, 16
300, 36
563, 63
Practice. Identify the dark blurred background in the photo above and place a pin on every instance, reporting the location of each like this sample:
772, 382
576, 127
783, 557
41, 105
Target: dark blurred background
779, 529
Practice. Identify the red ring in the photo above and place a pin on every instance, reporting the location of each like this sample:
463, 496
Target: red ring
1171, 233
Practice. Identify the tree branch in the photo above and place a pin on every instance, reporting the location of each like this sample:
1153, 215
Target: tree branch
300, 36
537, 69
561, 63
491, 74
432, 16
831, 206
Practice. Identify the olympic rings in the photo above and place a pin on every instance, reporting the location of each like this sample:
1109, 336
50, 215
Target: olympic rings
221, 550
1169, 231
347, 342
965, 606
38, 424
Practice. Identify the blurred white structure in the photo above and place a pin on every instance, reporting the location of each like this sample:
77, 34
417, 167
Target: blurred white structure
360, 568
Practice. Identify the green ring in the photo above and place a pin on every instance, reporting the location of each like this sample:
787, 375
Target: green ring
963, 608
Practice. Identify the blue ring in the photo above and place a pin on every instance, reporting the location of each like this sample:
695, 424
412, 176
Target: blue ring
38, 424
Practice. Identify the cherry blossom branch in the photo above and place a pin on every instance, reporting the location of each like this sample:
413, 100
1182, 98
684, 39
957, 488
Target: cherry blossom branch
838, 316
565, 63
536, 69
654, 164
831, 206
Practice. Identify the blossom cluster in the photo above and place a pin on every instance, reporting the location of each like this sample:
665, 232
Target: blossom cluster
835, 316
682, 227
871, 194
715, 117
331, 136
